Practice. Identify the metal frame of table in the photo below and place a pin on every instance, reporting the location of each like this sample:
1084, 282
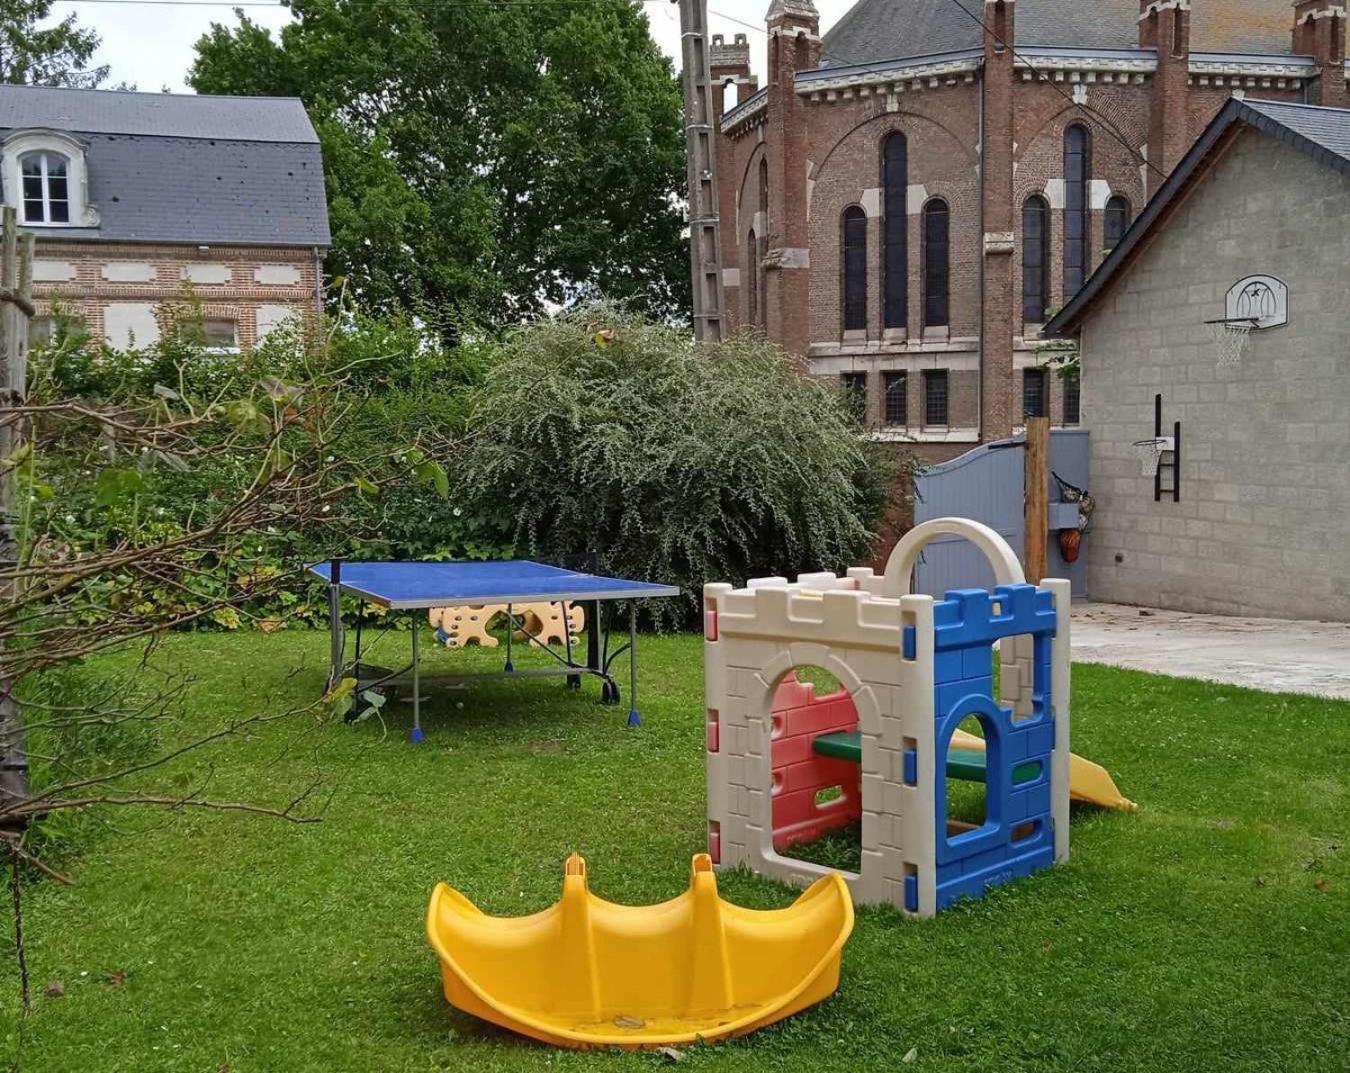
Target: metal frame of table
598, 660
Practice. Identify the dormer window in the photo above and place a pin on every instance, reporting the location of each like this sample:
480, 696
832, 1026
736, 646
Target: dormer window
46, 190
45, 178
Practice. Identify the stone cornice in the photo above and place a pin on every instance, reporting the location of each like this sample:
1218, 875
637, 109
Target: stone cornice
830, 83
748, 113
1331, 11
1050, 63
1164, 5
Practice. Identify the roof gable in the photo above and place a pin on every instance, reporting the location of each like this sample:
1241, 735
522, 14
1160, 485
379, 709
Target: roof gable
1322, 133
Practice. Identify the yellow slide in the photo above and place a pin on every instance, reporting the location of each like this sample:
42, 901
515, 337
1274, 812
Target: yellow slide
1088, 782
589, 973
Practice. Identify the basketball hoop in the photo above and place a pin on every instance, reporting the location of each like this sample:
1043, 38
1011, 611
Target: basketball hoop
1150, 452
1232, 338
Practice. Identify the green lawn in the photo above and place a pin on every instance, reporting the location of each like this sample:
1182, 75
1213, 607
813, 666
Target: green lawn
1209, 931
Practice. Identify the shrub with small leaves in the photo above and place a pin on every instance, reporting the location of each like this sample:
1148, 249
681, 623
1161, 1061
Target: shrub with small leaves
603, 440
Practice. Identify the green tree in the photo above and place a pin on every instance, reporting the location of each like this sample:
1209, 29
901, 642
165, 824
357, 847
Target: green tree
56, 55
491, 158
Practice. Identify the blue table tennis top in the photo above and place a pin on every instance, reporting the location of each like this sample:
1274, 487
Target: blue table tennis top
442, 584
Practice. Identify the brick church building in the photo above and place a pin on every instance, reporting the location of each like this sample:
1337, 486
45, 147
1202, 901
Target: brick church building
908, 198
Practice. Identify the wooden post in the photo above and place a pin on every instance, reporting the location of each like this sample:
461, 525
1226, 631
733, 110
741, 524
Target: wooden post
700, 132
1037, 497
16, 294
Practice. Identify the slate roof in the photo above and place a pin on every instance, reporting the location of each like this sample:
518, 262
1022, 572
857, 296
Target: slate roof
181, 168
1322, 133
875, 30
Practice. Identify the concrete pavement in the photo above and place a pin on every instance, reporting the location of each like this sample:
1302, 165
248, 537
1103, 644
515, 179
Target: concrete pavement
1271, 654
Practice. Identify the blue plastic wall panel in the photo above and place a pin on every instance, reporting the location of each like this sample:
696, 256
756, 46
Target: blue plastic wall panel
966, 616
1017, 837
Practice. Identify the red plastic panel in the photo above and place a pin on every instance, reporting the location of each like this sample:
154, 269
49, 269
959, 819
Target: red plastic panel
799, 716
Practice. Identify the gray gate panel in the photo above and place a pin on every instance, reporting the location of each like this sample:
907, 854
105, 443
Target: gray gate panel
986, 485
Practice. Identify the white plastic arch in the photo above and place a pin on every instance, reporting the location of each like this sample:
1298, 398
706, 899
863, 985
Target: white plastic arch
900, 566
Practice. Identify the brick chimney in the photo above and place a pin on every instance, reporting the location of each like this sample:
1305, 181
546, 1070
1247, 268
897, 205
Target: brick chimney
730, 65
996, 347
794, 45
1165, 25
1319, 32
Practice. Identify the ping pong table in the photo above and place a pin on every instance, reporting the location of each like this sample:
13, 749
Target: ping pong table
419, 586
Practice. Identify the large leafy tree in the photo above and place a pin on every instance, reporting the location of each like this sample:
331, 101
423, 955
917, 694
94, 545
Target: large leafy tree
56, 55
487, 158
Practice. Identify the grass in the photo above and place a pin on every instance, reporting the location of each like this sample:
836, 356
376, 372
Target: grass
1208, 931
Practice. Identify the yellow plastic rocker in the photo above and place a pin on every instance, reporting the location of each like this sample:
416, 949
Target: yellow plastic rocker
589, 973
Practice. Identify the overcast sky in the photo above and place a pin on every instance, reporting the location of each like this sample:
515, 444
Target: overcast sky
150, 44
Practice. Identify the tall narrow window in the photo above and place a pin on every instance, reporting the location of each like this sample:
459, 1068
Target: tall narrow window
936, 263
1077, 218
855, 387
855, 269
897, 399
761, 277
1035, 259
1115, 221
1073, 399
46, 194
935, 397
1034, 392
895, 184
752, 279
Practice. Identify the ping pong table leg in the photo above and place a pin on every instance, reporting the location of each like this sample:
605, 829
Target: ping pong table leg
593, 635
634, 719
336, 641
416, 735
573, 680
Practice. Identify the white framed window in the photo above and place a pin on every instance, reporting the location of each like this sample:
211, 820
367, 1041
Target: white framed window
220, 333
45, 178
46, 187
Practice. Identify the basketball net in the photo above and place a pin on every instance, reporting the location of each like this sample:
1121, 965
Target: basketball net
1149, 453
1232, 339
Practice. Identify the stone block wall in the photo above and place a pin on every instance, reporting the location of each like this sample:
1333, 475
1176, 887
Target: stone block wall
1261, 526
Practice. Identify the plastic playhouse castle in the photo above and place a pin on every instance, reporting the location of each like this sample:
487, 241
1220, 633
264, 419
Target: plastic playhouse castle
785, 765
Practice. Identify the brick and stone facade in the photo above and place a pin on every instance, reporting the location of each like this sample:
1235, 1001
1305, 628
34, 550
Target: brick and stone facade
985, 127
126, 293
1258, 525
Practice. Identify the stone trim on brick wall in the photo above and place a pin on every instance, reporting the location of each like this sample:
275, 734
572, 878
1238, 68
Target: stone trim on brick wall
98, 276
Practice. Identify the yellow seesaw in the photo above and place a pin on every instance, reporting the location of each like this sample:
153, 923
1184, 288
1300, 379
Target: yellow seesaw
590, 973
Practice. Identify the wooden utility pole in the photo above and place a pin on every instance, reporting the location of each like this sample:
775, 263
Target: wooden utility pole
16, 307
1037, 497
700, 129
